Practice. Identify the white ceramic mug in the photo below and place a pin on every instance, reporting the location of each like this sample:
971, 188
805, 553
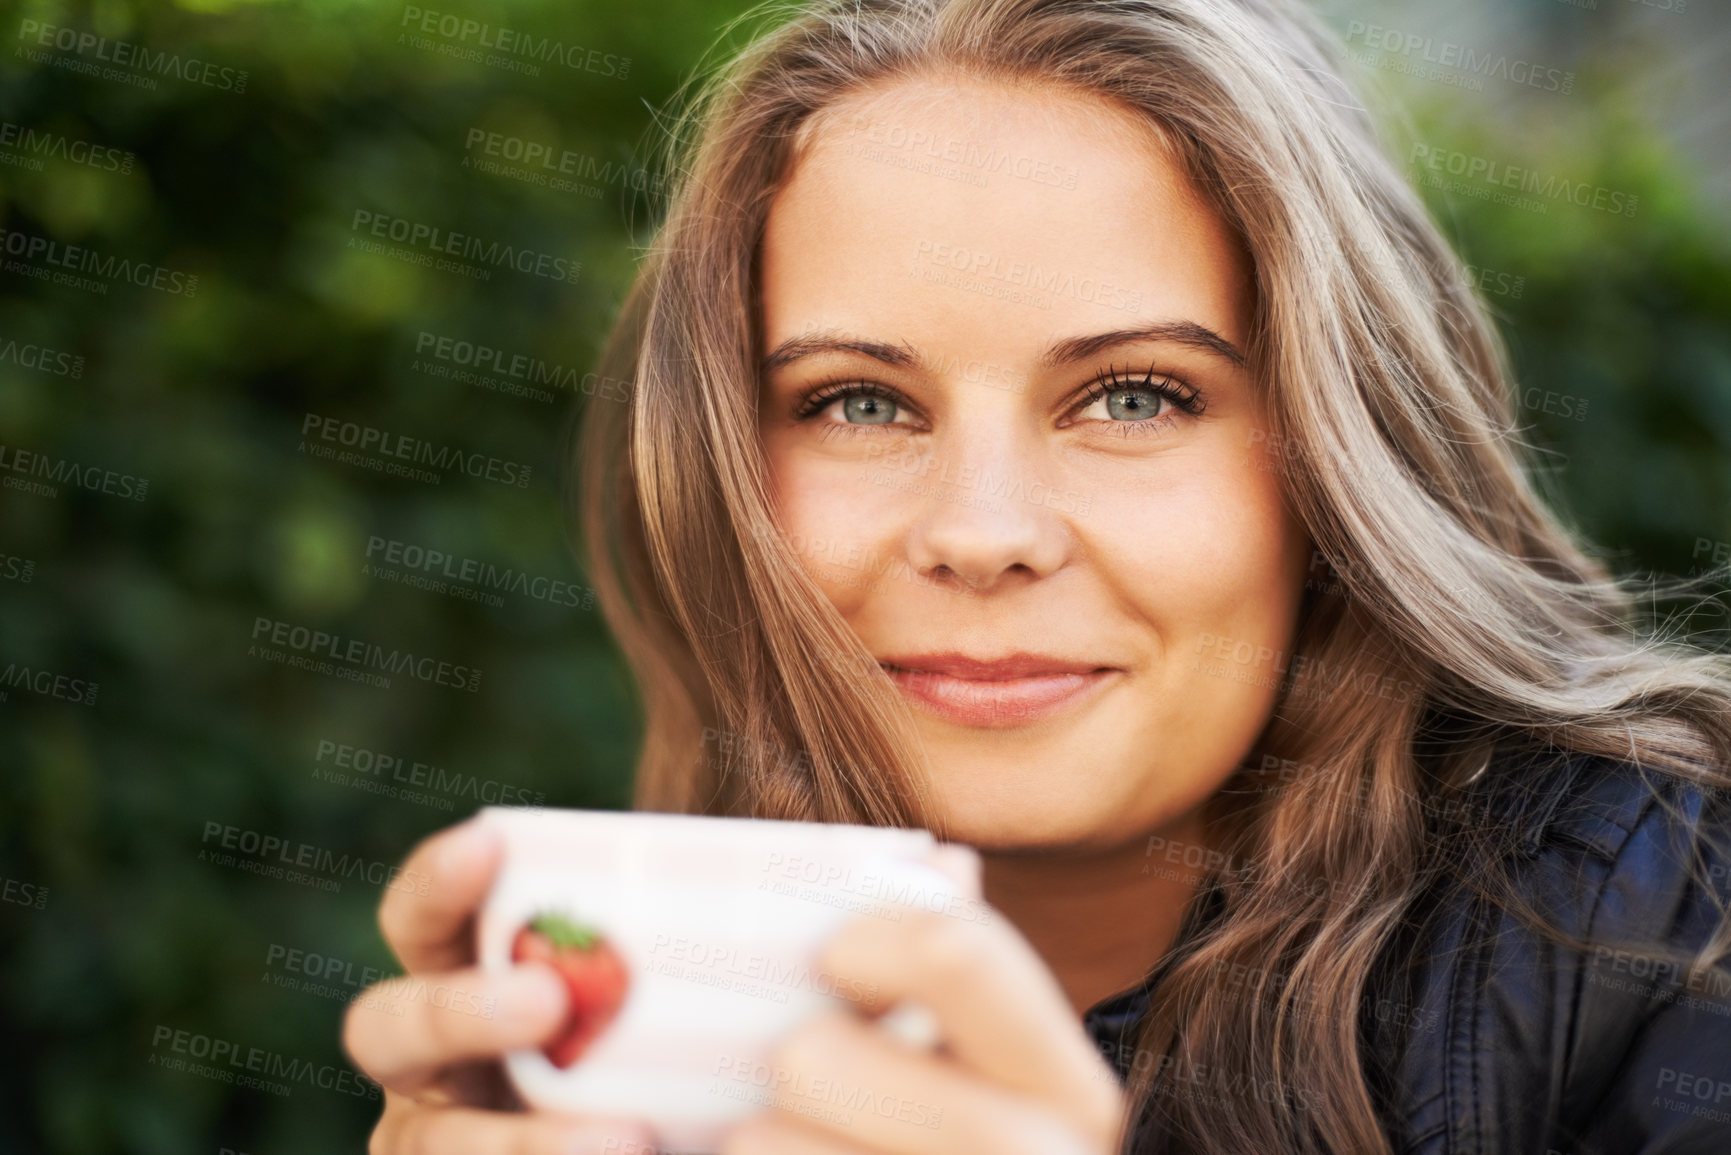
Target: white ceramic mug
713, 927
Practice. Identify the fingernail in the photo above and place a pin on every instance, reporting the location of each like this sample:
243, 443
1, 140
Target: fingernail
604, 1137
532, 994
911, 1023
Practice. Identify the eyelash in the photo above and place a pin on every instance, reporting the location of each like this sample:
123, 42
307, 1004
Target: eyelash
1180, 395
820, 396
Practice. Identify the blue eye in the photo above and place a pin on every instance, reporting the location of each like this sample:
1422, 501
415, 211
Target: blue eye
861, 403
1134, 404
866, 409
1136, 399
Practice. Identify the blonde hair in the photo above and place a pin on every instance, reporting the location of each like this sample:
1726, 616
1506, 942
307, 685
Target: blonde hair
1390, 411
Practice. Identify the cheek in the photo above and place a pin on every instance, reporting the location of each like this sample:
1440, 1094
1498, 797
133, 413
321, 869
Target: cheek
1212, 557
838, 522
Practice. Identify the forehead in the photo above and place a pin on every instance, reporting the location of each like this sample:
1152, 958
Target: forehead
962, 200
983, 107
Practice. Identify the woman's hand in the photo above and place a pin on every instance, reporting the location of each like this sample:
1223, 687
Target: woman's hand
432, 1037
1014, 1074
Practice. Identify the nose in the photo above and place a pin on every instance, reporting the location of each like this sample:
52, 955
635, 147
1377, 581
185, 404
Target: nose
984, 516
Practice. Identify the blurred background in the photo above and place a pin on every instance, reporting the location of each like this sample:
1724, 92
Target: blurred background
295, 301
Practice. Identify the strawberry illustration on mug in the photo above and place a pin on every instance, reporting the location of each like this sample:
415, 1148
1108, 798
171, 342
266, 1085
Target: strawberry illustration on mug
594, 976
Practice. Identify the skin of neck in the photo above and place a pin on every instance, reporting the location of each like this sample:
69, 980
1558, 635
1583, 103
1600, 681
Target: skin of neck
1101, 919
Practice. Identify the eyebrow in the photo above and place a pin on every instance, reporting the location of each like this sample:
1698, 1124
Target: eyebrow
1187, 333
1059, 353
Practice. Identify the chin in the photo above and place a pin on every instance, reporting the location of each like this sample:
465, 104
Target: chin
1032, 820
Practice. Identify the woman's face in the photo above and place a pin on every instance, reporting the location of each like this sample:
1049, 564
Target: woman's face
1010, 433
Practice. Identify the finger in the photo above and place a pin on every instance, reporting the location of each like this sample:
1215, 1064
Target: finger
468, 1085
403, 1032
839, 1075
999, 1010
429, 923
410, 1129
772, 1133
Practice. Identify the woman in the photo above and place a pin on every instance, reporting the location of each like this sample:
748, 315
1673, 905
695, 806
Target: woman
1058, 424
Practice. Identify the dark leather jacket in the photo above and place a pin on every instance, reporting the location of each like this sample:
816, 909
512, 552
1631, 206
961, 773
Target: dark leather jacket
1507, 1045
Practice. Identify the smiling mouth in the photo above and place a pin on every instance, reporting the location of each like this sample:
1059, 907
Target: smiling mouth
997, 702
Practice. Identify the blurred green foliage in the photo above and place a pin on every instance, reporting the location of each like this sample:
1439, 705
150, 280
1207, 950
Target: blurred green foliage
106, 805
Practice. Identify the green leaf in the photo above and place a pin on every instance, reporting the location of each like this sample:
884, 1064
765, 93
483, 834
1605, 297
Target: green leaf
563, 932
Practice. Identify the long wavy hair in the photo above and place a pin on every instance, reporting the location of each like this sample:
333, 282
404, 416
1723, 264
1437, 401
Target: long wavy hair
1456, 617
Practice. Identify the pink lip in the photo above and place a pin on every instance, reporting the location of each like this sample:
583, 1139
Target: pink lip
1010, 691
